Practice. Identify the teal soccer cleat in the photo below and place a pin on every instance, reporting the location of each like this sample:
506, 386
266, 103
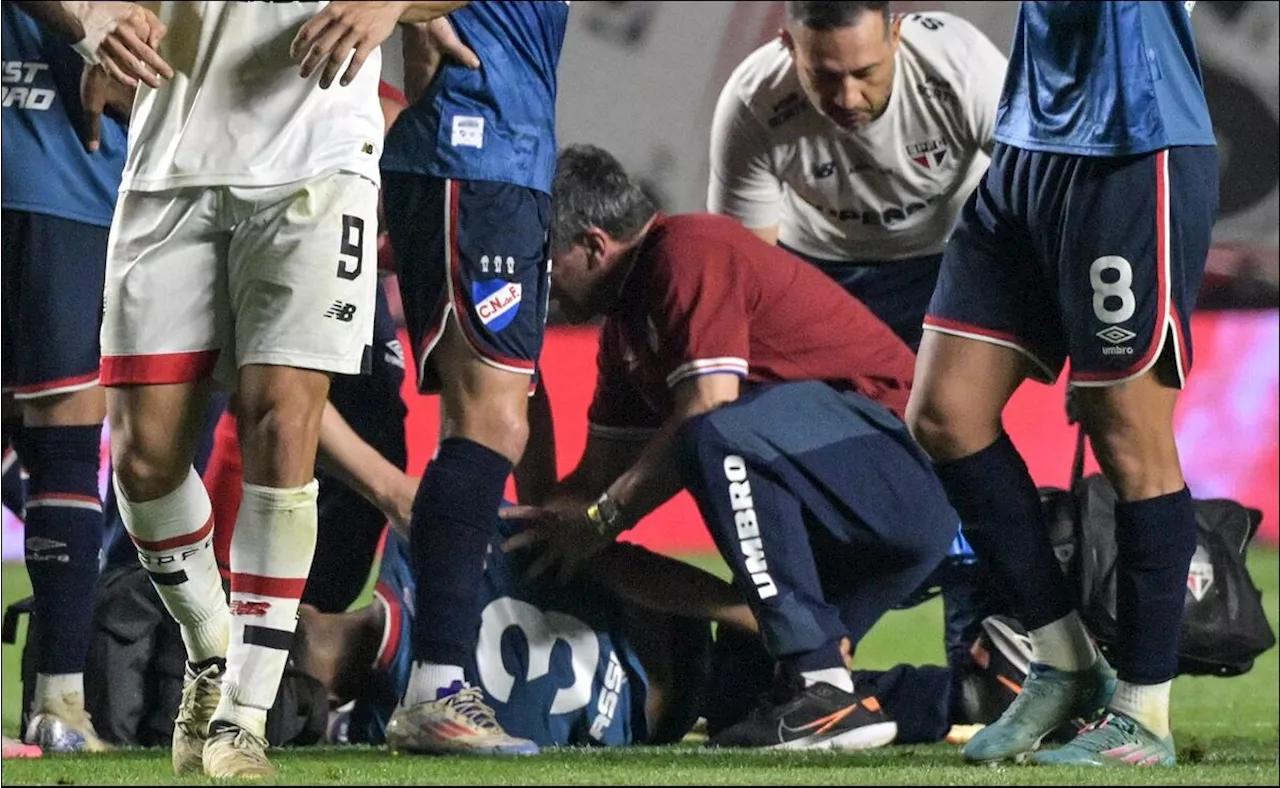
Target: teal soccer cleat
1113, 740
1049, 698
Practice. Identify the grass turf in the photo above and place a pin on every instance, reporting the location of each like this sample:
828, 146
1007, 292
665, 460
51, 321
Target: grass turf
1227, 733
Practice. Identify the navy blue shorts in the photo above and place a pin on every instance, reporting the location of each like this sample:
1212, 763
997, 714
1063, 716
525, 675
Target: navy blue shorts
52, 304
1094, 259
478, 249
896, 291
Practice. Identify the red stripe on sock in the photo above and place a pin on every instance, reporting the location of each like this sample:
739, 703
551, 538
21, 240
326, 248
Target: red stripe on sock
175, 542
260, 585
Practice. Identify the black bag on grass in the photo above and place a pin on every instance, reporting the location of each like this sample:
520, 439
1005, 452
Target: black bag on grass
1224, 626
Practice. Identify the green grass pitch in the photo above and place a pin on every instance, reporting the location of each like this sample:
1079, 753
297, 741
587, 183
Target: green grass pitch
1227, 732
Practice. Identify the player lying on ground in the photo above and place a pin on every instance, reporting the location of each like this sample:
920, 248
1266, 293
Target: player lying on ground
620, 655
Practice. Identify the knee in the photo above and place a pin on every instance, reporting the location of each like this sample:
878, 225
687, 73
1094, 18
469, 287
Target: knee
946, 429
143, 472
1135, 447
500, 425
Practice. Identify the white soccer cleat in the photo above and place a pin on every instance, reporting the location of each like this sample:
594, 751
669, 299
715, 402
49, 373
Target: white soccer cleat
200, 695
233, 752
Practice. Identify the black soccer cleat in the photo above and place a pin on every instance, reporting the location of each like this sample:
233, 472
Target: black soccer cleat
819, 716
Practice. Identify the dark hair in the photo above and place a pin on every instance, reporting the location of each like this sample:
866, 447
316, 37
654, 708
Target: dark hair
592, 190
830, 14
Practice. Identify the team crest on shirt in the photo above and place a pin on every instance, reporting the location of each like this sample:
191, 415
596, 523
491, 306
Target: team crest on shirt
497, 302
928, 154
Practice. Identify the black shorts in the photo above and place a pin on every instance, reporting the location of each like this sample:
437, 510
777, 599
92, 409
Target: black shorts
52, 303
480, 250
1094, 259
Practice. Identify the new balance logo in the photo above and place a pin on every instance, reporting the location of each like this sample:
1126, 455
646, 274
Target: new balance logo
744, 518
340, 310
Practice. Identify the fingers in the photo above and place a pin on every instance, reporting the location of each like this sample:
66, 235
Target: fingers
522, 540
362, 53
451, 45
309, 33
545, 560
337, 56
129, 59
520, 512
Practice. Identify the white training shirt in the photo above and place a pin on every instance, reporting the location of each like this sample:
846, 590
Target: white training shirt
888, 191
237, 113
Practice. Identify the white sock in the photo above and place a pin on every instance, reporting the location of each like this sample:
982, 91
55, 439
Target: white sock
1146, 703
428, 678
271, 552
836, 677
174, 538
58, 690
1064, 644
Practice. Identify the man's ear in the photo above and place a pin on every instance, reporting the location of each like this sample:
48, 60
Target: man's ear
787, 40
597, 243
895, 30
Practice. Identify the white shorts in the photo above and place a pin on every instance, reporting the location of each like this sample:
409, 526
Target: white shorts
282, 275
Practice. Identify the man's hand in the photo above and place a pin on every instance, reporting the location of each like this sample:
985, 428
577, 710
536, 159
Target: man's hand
100, 93
398, 507
124, 38
570, 537
327, 39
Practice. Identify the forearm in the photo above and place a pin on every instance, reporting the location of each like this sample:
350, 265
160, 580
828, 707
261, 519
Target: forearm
669, 586
415, 13
654, 478
357, 464
63, 19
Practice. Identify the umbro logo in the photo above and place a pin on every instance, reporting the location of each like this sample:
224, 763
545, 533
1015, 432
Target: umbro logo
1115, 335
341, 310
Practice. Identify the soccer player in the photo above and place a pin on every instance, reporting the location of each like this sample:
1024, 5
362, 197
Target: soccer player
242, 250
1086, 240
58, 201
620, 656
715, 376
467, 178
853, 139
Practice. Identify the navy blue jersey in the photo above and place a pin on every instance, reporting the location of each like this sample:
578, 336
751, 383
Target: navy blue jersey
495, 123
45, 167
1103, 79
555, 663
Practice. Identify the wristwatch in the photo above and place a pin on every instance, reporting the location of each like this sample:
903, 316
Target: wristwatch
606, 516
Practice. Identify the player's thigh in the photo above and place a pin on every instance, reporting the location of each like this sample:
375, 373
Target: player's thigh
478, 250
53, 279
1136, 233
165, 318
302, 274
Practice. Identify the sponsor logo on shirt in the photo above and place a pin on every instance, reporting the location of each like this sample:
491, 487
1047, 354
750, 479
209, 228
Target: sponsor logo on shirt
496, 302
18, 88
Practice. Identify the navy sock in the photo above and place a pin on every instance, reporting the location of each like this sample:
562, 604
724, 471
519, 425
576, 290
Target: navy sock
1155, 540
63, 539
997, 501
455, 514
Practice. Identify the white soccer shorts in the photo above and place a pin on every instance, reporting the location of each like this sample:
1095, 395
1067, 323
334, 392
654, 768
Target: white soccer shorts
204, 280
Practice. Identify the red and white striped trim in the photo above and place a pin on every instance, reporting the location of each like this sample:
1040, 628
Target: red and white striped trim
706, 366
955, 328
64, 500
158, 368
262, 585
1166, 322
391, 623
175, 542
60, 386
